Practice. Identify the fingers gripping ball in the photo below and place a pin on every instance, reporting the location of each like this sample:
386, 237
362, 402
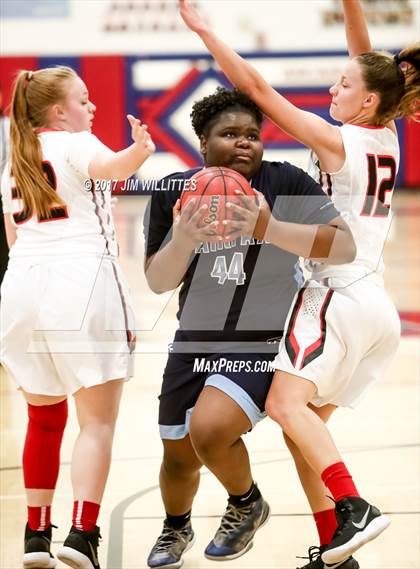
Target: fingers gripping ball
215, 186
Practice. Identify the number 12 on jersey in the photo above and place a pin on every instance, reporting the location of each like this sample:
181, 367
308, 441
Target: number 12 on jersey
377, 193
235, 272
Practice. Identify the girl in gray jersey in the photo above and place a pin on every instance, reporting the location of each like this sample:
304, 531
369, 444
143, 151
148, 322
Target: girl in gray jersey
342, 329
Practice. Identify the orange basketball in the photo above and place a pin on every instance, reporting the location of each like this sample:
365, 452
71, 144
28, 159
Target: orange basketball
215, 186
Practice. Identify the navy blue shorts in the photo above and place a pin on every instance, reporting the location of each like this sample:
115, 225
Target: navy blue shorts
245, 377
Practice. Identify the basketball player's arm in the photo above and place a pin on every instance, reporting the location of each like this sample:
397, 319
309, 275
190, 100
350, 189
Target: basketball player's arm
10, 229
166, 269
332, 242
357, 34
109, 165
308, 128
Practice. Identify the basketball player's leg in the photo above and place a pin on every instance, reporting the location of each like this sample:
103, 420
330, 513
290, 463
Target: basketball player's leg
216, 426
287, 405
179, 476
314, 488
41, 456
97, 411
179, 479
47, 417
322, 508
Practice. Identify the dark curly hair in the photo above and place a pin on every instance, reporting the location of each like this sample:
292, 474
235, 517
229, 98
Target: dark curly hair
206, 111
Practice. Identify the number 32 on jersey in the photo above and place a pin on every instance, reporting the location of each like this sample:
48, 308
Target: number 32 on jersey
235, 271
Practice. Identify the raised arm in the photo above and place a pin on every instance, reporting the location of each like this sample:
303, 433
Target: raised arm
308, 128
357, 33
120, 165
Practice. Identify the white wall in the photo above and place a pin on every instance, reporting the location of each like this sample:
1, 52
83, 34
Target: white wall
278, 24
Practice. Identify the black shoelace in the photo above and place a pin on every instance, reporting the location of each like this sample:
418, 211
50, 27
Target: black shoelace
313, 553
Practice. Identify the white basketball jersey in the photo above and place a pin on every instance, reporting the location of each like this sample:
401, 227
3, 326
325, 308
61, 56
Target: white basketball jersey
84, 225
362, 192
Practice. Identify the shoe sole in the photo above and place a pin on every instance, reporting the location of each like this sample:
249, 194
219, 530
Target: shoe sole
248, 546
179, 563
74, 558
38, 561
371, 532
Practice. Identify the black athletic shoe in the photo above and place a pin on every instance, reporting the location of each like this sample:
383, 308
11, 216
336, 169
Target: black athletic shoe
237, 529
37, 549
80, 549
171, 546
315, 561
358, 523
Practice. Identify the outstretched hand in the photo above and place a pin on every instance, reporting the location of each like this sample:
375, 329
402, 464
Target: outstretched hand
140, 135
191, 17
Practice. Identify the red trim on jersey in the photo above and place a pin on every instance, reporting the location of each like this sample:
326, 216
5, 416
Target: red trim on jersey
317, 347
46, 129
292, 345
371, 127
131, 338
329, 185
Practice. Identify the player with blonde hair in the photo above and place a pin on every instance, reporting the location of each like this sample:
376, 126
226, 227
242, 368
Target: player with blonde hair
67, 323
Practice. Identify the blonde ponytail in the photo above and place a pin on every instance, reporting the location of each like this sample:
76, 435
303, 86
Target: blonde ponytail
33, 94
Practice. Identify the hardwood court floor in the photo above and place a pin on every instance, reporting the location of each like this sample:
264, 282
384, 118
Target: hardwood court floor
379, 441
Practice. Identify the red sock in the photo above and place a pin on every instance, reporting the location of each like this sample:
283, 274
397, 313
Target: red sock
326, 524
85, 515
339, 482
39, 517
41, 454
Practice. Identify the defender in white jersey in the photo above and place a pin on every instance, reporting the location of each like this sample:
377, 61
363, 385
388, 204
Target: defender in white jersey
342, 328
67, 324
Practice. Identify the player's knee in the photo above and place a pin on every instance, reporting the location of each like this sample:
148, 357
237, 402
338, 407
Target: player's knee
49, 417
180, 465
279, 409
207, 440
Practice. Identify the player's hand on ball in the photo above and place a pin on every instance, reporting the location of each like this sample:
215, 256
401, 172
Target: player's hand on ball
250, 216
188, 228
141, 136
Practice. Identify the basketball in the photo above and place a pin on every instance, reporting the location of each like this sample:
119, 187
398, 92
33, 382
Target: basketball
216, 186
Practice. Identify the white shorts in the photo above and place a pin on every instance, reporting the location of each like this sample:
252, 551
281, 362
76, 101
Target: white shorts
66, 323
339, 337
